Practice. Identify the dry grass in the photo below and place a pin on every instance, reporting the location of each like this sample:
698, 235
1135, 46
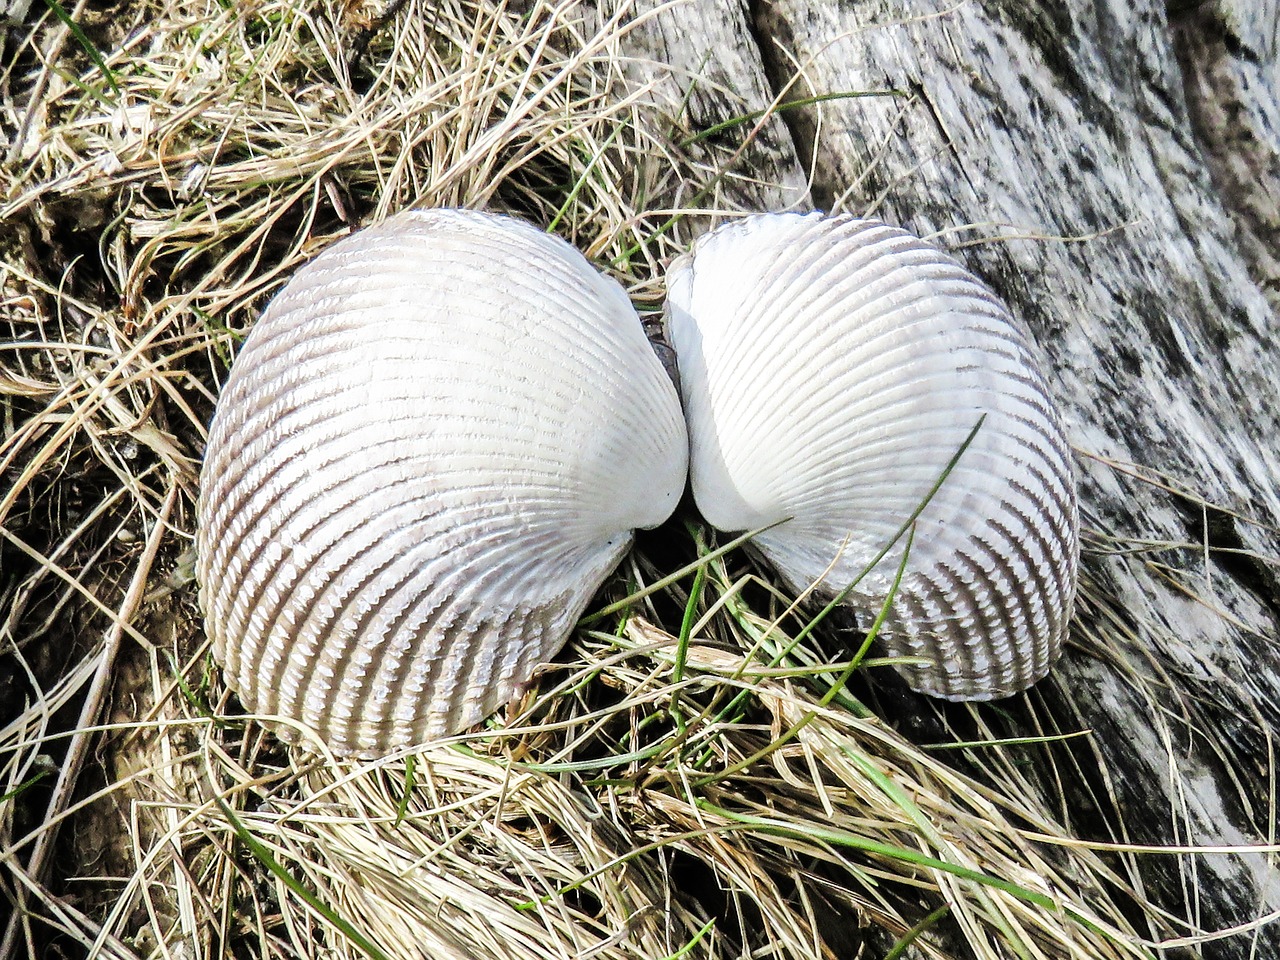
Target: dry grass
694, 778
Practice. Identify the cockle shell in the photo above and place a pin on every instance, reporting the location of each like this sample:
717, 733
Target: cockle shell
433, 447
831, 368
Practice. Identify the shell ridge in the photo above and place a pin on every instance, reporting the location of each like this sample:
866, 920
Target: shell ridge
778, 411
604, 355
312, 518
831, 369
420, 560
270, 503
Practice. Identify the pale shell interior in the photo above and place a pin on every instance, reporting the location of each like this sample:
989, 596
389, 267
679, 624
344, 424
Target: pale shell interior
433, 447
831, 368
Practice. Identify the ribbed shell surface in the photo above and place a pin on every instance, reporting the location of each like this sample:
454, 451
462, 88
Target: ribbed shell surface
831, 368
434, 445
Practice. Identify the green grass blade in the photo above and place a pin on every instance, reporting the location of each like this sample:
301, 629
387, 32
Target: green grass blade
24, 786
914, 934
739, 120
582, 180
693, 942
85, 43
907, 525
659, 585
265, 857
842, 838
402, 807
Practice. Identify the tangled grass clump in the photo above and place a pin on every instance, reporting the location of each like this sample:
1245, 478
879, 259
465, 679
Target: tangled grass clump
702, 774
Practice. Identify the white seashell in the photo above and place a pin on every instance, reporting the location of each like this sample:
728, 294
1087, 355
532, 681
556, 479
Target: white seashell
831, 368
431, 450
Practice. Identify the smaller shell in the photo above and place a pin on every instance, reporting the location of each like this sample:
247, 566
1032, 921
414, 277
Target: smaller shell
831, 368
431, 450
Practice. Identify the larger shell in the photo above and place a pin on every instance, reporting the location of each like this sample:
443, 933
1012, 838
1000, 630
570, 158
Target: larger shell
831, 368
433, 447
